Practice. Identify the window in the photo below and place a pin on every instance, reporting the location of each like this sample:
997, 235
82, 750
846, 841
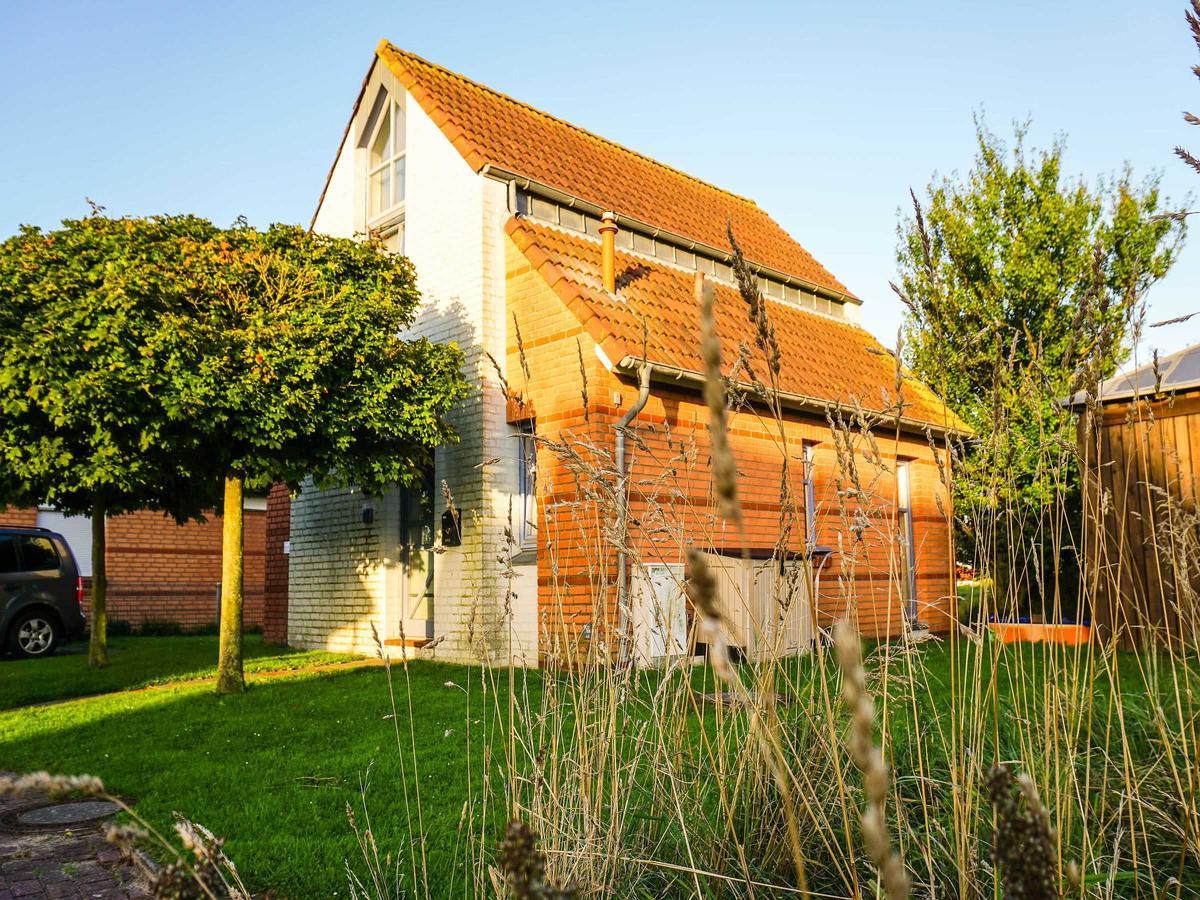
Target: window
27, 553
810, 496
570, 218
8, 555
385, 157
908, 559
38, 554
393, 238
526, 515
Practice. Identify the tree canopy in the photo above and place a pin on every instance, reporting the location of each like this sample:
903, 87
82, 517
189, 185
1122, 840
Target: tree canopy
146, 361
1019, 282
89, 372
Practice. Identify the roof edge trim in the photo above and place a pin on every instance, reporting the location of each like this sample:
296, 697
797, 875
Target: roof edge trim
630, 365
550, 192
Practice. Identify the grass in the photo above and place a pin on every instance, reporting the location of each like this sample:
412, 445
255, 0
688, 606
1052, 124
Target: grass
137, 662
275, 769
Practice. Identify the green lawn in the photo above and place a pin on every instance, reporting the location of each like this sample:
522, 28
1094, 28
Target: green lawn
273, 770
137, 662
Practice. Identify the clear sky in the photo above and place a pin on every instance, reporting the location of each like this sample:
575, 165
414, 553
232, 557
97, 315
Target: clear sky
824, 113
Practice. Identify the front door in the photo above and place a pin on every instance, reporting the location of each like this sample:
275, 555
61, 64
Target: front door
665, 613
416, 558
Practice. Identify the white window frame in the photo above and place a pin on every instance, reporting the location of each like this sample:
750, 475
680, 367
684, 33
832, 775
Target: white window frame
386, 220
810, 496
526, 485
908, 538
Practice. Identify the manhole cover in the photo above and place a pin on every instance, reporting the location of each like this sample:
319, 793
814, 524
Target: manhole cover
67, 813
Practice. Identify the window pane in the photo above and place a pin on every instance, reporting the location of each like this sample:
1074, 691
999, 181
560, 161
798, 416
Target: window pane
394, 239
397, 128
381, 147
541, 209
643, 244
38, 555
8, 555
380, 191
791, 295
685, 258
625, 240
527, 484
724, 271
398, 179
664, 251
570, 218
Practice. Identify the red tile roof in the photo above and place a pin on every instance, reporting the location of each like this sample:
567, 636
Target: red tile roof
825, 359
490, 128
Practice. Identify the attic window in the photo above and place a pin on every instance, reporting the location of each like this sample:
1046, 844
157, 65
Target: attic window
383, 139
687, 257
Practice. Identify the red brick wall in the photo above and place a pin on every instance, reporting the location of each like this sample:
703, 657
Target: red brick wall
278, 530
159, 571
671, 497
13, 516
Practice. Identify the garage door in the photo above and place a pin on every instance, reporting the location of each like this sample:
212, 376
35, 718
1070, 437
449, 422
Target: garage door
78, 533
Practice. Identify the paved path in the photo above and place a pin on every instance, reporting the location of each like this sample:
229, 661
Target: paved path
61, 863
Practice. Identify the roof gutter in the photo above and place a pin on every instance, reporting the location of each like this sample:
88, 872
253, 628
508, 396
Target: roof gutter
629, 222
630, 365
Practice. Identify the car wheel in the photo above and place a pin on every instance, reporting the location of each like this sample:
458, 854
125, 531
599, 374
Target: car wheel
33, 634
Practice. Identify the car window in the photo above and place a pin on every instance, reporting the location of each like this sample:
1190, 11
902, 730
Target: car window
8, 555
38, 554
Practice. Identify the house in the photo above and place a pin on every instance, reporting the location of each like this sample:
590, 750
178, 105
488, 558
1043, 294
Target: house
1139, 440
160, 573
565, 266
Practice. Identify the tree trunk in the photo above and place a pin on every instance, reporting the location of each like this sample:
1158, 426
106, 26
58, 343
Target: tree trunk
98, 644
229, 665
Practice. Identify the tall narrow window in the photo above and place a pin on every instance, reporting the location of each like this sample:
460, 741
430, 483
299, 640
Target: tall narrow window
526, 487
385, 160
908, 558
810, 496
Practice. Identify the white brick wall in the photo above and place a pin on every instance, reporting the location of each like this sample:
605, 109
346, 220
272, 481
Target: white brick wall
341, 572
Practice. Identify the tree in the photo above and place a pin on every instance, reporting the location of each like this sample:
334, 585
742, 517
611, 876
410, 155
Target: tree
85, 384
1014, 276
303, 373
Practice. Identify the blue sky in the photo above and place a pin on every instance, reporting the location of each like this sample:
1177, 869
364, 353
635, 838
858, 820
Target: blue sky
824, 113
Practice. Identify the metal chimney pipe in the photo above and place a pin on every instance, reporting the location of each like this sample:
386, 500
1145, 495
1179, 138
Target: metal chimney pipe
608, 251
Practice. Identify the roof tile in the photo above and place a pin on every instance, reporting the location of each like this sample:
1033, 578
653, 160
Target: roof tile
492, 128
825, 359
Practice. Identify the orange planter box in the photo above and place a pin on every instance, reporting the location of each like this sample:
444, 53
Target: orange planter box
1032, 633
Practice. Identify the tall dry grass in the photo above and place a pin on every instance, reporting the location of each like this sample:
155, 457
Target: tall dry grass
950, 767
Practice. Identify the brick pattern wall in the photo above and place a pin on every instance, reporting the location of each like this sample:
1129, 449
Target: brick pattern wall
162, 572
671, 496
345, 576
11, 515
275, 576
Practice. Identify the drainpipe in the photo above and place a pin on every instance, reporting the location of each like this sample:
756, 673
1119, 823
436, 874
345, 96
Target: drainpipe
624, 621
608, 274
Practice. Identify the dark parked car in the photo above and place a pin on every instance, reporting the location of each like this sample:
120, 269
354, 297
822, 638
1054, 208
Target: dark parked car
41, 593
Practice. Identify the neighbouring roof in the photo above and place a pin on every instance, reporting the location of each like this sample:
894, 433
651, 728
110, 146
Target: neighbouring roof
826, 360
1180, 371
490, 128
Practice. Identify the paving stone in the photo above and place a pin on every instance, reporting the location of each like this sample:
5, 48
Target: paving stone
61, 863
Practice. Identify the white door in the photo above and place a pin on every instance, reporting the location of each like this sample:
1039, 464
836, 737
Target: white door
666, 612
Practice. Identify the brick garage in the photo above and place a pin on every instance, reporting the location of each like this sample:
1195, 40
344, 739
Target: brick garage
161, 572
